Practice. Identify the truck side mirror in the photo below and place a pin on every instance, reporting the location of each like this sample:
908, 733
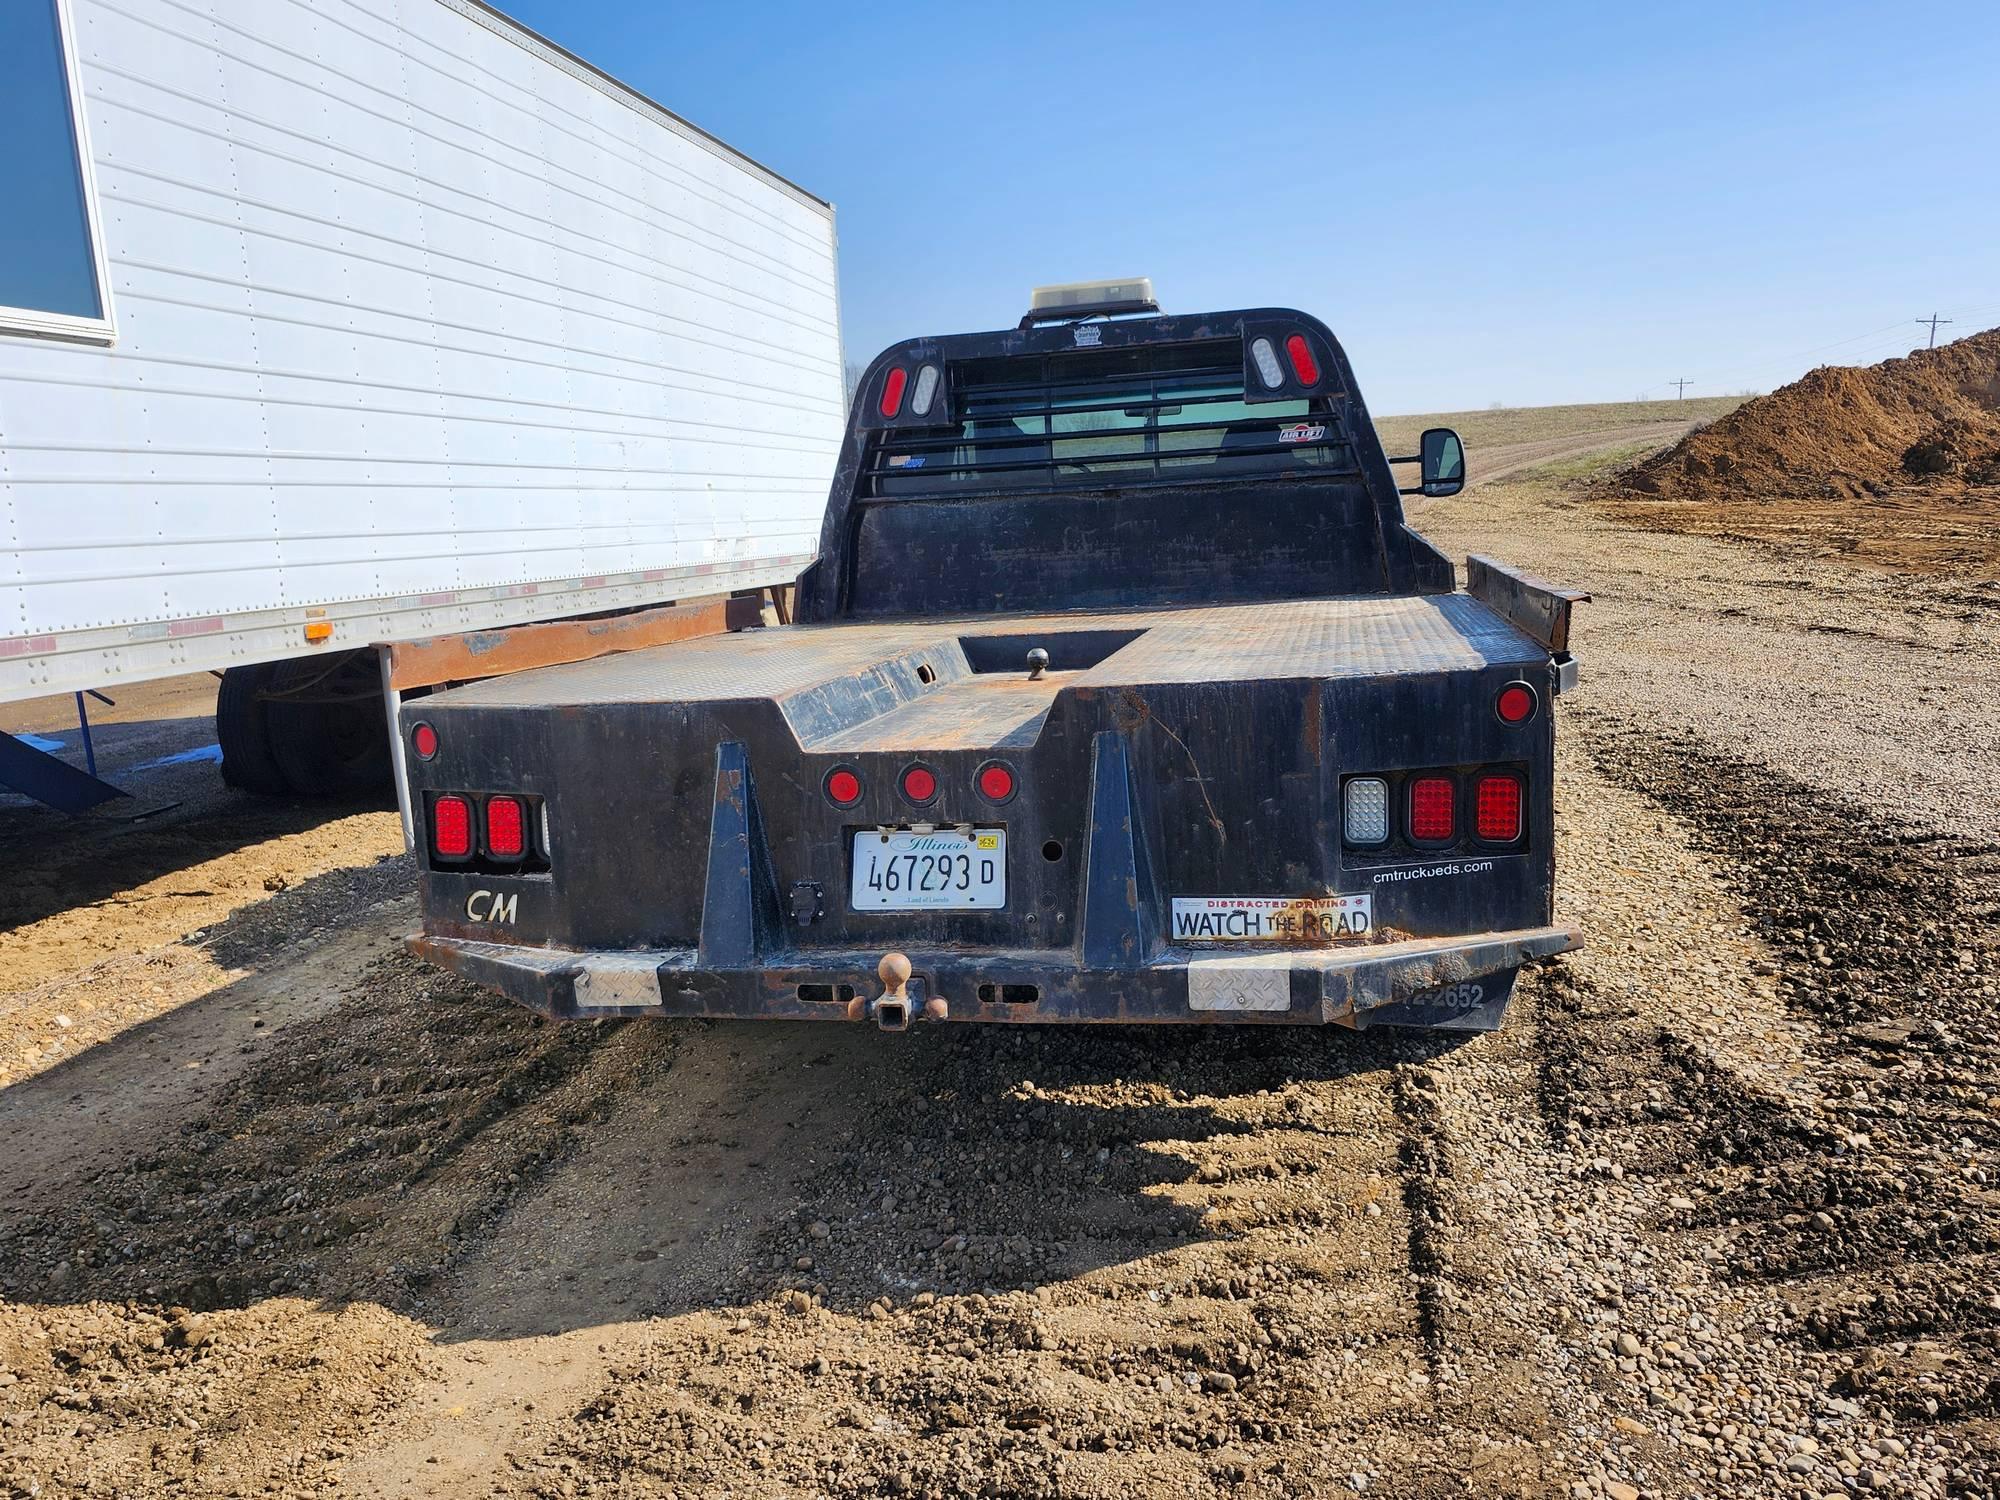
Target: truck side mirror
1443, 461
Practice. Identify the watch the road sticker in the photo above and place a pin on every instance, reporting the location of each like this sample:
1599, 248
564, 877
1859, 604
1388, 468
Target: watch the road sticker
1272, 919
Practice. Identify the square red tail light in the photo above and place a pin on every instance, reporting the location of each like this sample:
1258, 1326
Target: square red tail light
506, 828
1497, 809
451, 827
1433, 809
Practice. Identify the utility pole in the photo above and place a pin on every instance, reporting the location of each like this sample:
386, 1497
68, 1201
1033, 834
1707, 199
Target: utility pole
1680, 387
1933, 320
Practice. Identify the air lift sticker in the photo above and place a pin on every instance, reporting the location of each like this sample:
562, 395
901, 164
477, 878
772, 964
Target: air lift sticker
1300, 432
1271, 919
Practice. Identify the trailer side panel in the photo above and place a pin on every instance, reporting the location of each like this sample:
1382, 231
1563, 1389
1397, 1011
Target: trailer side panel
421, 326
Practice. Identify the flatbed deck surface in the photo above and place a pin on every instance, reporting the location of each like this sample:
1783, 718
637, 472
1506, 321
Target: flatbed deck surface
1308, 638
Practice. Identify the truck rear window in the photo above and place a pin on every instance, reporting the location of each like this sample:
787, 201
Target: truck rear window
1157, 414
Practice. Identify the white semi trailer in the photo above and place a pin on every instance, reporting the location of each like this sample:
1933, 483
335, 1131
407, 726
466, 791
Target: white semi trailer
326, 324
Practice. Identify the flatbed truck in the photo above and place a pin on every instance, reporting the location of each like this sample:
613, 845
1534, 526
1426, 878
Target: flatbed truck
1119, 691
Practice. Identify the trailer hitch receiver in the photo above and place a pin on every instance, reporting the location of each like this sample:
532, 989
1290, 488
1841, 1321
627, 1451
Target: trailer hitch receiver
892, 1007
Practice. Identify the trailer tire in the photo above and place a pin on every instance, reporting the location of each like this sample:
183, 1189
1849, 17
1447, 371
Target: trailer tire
243, 732
327, 749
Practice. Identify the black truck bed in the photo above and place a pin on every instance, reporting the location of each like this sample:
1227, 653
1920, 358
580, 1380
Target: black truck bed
1300, 638
1121, 692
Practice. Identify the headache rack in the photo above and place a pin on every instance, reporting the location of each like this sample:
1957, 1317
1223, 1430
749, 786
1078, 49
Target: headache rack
1152, 415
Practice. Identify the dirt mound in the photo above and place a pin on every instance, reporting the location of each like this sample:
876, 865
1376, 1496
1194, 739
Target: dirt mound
1931, 418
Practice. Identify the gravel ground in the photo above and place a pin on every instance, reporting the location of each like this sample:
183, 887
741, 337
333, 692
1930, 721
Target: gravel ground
1712, 1215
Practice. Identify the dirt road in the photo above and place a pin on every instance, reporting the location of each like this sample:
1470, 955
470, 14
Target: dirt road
1715, 1214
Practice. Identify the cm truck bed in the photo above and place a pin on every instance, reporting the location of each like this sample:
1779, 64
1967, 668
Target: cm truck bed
1173, 779
1122, 691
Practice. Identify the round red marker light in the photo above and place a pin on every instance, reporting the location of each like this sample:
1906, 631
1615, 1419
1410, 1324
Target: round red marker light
843, 787
1516, 703
920, 784
996, 782
424, 740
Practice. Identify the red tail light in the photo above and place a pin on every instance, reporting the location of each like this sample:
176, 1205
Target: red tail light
996, 782
1497, 809
424, 740
892, 391
1433, 810
843, 787
451, 828
506, 828
1301, 355
1516, 703
920, 784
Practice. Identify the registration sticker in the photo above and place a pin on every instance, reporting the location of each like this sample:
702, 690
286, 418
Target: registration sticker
1272, 919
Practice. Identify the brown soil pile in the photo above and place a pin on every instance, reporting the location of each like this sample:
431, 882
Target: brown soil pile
1932, 418
1896, 466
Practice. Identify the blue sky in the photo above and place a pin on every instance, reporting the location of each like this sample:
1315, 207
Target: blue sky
1563, 203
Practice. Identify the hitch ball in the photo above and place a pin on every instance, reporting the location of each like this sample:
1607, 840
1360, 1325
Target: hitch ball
892, 1007
1038, 663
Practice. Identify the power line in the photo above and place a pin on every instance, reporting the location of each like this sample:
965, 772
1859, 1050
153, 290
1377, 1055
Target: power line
1933, 320
1680, 388
1779, 361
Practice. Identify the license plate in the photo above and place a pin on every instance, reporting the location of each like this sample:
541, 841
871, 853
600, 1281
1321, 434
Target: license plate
944, 870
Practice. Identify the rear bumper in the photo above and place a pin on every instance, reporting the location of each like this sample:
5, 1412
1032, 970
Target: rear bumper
1460, 984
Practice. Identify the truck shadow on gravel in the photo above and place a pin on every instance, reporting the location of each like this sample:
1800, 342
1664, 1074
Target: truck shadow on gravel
57, 864
373, 1149
1018, 1159
344, 1163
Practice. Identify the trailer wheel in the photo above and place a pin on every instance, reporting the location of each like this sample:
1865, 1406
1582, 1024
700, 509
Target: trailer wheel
328, 734
244, 732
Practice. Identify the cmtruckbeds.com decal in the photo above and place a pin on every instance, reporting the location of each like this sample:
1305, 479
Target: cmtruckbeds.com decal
1274, 919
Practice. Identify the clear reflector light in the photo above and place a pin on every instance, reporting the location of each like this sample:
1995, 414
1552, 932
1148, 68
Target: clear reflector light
1366, 816
1265, 357
925, 391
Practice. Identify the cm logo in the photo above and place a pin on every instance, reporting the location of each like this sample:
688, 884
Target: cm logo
488, 906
